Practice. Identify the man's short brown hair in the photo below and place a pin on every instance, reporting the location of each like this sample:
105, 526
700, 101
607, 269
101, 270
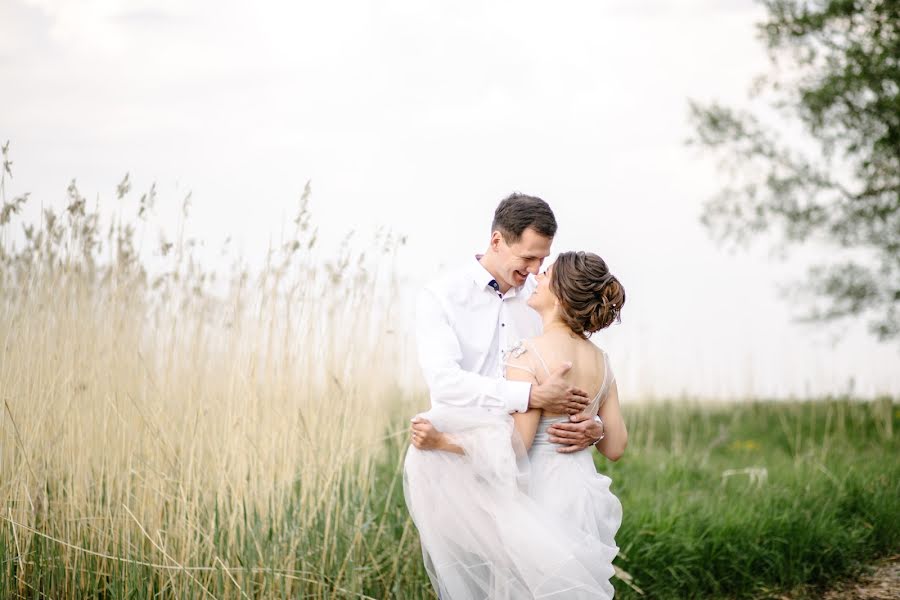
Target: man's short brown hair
517, 212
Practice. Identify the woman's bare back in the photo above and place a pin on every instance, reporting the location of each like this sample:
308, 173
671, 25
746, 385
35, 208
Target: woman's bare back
554, 348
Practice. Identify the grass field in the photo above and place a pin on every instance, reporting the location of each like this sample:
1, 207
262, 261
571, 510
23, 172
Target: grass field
747, 500
167, 435
735, 501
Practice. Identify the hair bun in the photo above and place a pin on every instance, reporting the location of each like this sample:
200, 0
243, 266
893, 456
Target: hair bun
590, 297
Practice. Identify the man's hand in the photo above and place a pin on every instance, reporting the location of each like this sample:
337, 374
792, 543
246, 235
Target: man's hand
582, 431
556, 395
425, 436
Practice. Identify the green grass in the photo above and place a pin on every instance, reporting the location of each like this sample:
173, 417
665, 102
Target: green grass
826, 506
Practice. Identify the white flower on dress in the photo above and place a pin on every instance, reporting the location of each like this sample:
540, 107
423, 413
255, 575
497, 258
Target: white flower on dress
516, 351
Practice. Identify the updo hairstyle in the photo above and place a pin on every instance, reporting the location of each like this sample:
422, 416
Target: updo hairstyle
590, 297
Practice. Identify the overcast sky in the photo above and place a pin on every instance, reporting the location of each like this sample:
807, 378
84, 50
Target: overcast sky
421, 116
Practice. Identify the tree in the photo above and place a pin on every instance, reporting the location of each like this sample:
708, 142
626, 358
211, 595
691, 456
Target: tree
835, 76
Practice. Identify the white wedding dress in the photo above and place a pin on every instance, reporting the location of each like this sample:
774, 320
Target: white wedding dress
568, 485
483, 537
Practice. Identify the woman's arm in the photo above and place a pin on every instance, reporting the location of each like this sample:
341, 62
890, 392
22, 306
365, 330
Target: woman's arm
612, 446
426, 437
520, 369
527, 424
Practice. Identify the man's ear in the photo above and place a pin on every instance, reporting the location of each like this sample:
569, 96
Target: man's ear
496, 238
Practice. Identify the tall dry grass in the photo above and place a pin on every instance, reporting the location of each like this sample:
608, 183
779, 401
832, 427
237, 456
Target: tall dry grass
177, 433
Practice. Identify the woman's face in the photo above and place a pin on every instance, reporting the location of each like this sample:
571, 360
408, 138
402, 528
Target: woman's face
542, 298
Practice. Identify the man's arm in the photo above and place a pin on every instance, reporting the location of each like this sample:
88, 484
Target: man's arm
583, 431
440, 357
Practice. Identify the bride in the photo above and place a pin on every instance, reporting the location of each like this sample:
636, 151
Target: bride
465, 483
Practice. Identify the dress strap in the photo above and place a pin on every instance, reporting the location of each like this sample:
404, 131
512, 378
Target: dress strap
509, 365
608, 378
595, 404
539, 357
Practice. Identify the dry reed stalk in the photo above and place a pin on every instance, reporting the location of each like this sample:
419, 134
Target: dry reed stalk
167, 417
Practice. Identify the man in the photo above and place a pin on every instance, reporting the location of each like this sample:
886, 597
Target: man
468, 319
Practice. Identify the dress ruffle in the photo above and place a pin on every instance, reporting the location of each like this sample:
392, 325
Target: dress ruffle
483, 536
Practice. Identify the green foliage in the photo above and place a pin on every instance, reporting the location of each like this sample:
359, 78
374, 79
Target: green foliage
747, 501
836, 74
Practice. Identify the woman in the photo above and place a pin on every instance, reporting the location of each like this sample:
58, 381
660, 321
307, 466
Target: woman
561, 539
576, 297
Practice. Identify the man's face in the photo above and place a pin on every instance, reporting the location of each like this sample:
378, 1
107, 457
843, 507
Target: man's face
519, 259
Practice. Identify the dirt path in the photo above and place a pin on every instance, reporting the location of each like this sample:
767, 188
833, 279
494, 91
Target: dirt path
882, 583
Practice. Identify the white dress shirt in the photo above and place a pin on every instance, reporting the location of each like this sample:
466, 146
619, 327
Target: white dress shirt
463, 328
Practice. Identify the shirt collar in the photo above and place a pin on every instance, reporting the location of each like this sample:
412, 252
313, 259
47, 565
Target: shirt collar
482, 278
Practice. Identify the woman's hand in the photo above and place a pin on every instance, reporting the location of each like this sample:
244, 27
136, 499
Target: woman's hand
425, 436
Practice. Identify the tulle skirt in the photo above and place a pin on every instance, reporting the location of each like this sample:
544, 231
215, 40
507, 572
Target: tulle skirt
482, 535
569, 486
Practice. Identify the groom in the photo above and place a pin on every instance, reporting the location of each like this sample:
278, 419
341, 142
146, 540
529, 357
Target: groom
468, 318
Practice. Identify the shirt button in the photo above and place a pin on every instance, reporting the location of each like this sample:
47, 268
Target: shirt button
502, 324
